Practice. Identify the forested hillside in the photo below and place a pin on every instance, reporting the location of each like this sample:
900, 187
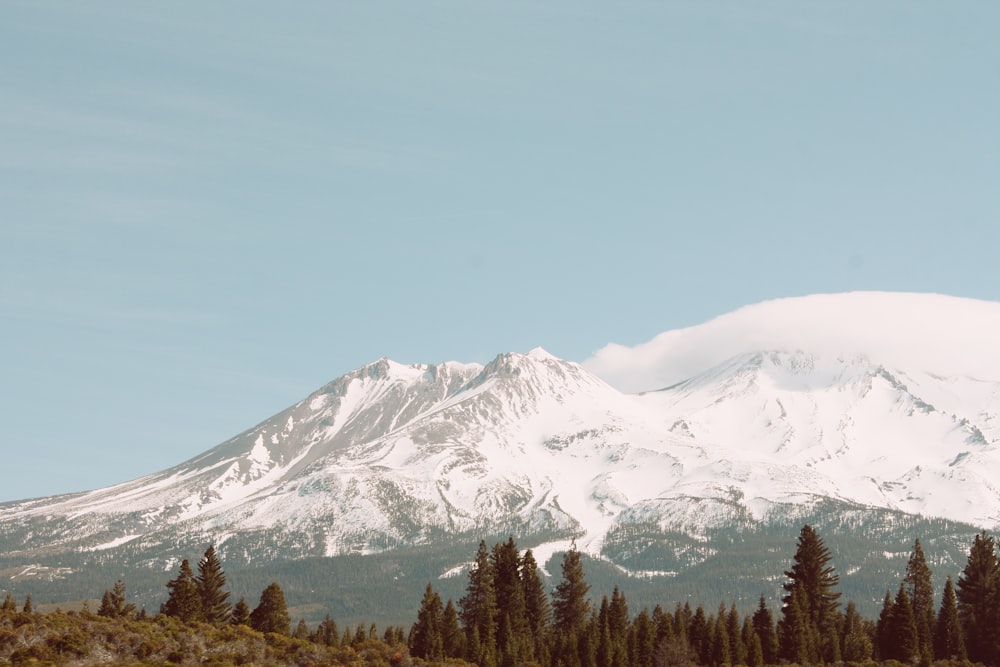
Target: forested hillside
508, 617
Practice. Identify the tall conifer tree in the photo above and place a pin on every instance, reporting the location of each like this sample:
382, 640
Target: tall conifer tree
904, 642
763, 625
948, 641
211, 583
813, 579
921, 594
977, 600
241, 613
883, 635
857, 645
426, 636
537, 609
452, 637
479, 611
271, 614
183, 602
644, 642
570, 604
514, 641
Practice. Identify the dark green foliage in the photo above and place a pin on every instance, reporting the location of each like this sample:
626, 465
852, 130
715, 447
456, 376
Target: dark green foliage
798, 637
901, 642
855, 641
271, 615
737, 649
427, 636
211, 582
720, 650
452, 637
514, 644
642, 643
327, 632
570, 604
977, 600
113, 603
617, 624
184, 601
949, 643
607, 637
537, 610
241, 613
883, 638
810, 603
753, 651
763, 625
699, 636
921, 594
479, 611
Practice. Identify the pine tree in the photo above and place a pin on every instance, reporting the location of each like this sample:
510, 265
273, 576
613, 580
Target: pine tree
699, 636
737, 649
452, 637
754, 652
28, 607
271, 614
426, 639
904, 643
720, 652
605, 650
113, 603
211, 582
301, 630
570, 604
883, 635
618, 625
107, 608
537, 610
814, 579
763, 625
663, 624
183, 601
514, 645
921, 593
948, 641
644, 641
327, 632
241, 613
977, 600
9, 604
479, 611
798, 637
857, 645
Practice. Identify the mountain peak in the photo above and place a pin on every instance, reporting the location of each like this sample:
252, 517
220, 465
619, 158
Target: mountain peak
531, 444
927, 332
541, 354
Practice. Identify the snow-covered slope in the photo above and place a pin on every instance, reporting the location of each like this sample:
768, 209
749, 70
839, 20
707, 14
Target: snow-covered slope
794, 403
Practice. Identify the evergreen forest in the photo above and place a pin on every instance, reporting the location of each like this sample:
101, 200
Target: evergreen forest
508, 617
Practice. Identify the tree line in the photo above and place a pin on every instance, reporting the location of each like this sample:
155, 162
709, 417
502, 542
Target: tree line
202, 598
507, 618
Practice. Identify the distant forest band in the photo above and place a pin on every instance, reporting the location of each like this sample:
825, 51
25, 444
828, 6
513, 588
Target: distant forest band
507, 618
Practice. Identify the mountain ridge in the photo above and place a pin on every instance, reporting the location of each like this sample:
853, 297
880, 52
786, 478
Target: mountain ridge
392, 457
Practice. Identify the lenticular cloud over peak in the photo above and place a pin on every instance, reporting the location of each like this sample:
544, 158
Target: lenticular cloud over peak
940, 334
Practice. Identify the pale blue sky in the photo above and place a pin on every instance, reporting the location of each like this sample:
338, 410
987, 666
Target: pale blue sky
208, 210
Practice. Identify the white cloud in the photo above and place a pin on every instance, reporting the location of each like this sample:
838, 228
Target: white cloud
931, 332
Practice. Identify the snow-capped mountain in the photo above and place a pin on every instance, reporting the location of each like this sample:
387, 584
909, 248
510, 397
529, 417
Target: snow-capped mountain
776, 423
